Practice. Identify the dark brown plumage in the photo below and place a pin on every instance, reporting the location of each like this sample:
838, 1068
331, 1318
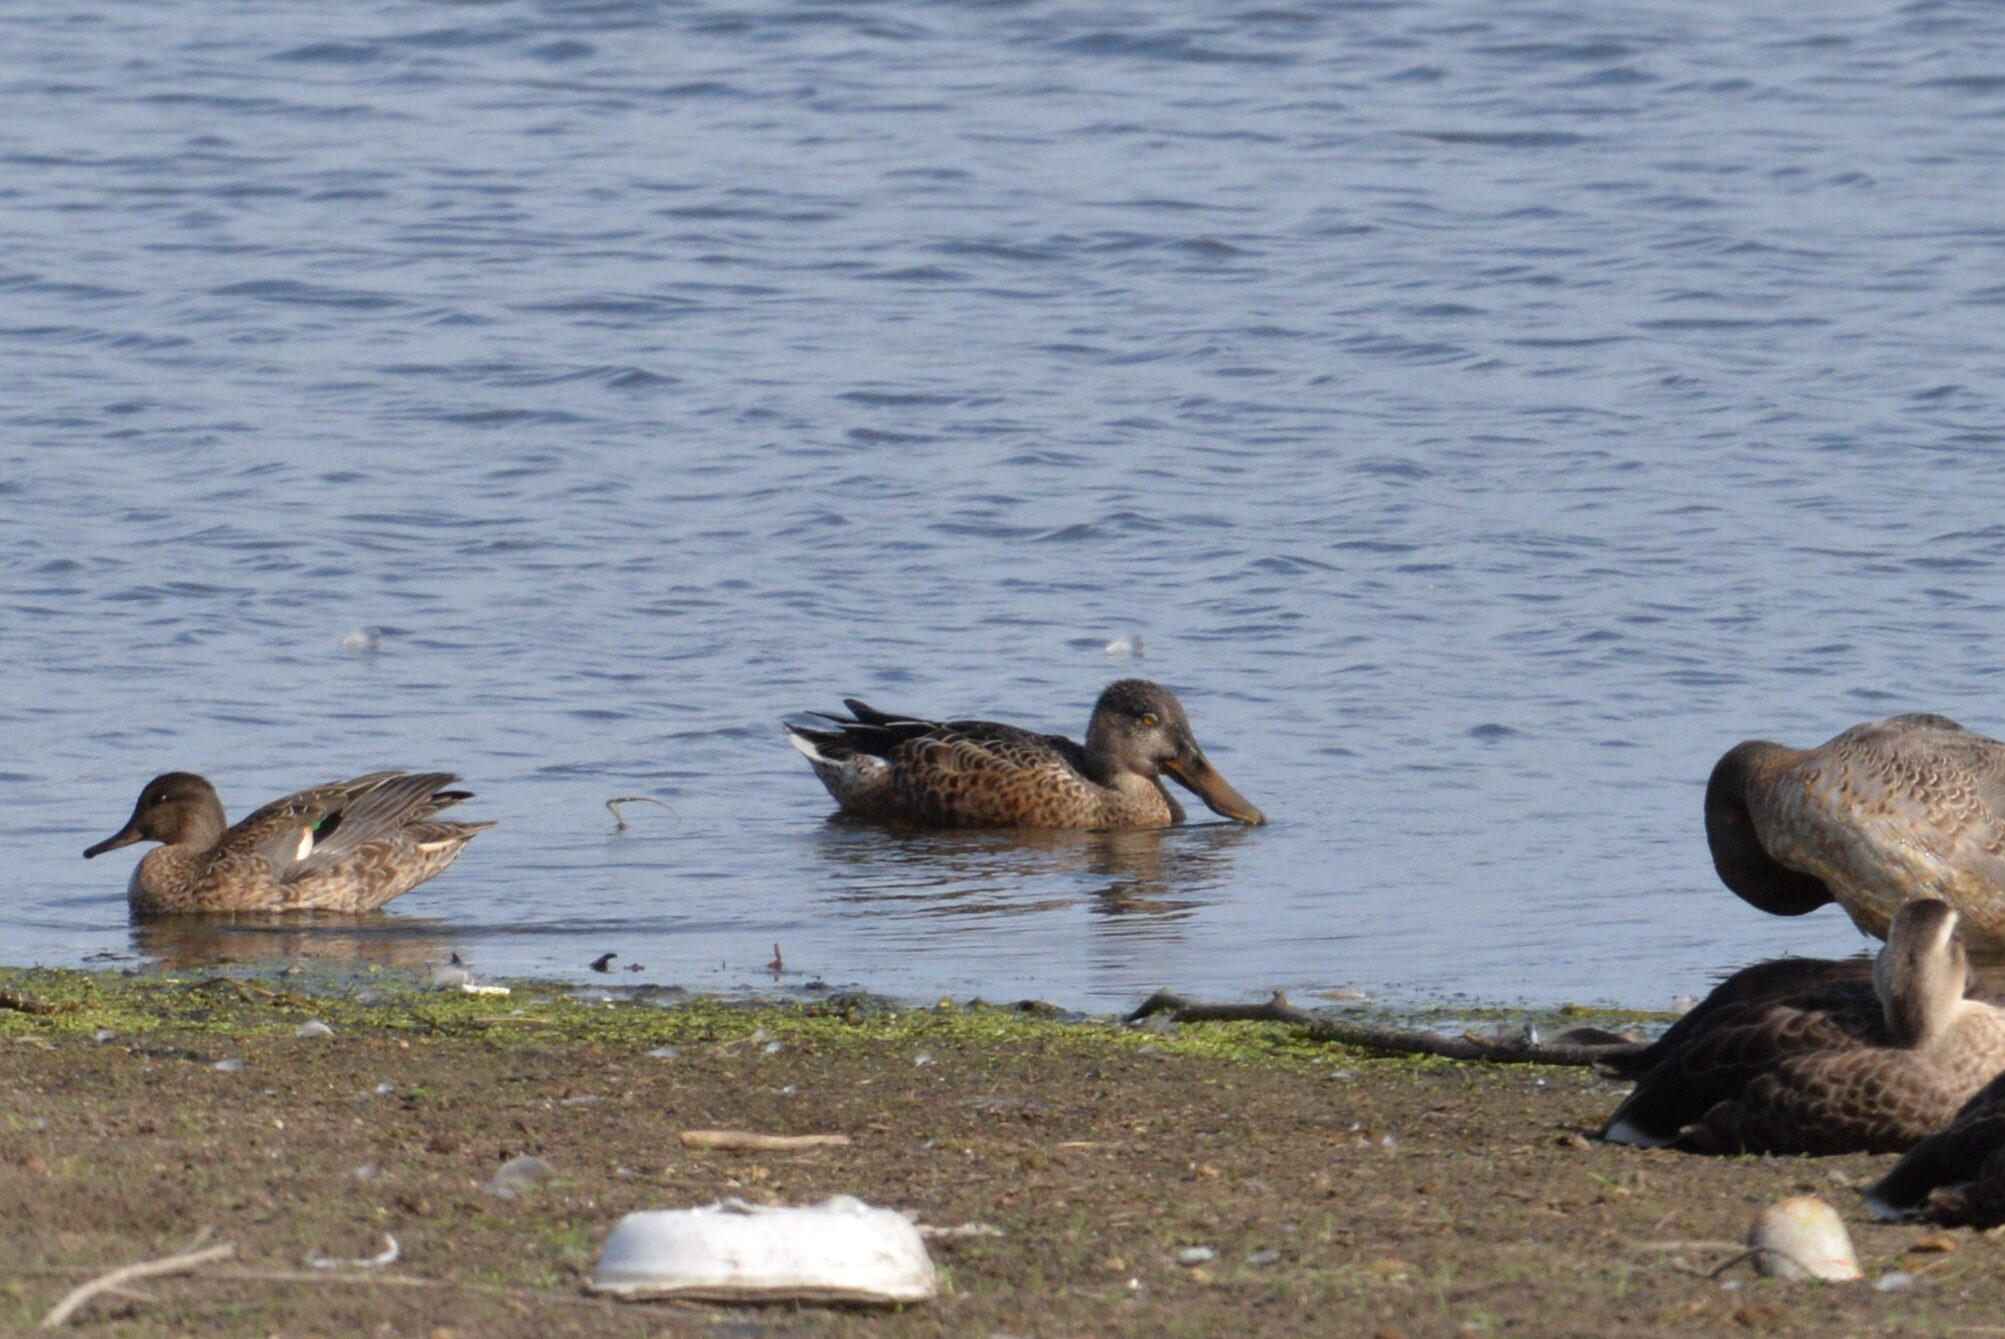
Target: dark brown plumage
1957, 1174
348, 846
1825, 1066
986, 774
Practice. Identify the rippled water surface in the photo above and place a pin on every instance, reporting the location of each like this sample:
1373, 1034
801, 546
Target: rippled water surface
1484, 413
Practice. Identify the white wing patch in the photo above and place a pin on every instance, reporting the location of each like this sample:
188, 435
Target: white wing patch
305, 845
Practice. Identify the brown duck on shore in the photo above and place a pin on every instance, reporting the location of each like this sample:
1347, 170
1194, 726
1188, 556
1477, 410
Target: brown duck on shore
348, 846
982, 774
1889, 810
1957, 1174
1825, 1070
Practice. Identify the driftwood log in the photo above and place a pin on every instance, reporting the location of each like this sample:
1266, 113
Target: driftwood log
1578, 1046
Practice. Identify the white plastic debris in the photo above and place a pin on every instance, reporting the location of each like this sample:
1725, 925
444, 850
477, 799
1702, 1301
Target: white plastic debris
841, 1250
1802, 1238
1128, 644
387, 1256
363, 640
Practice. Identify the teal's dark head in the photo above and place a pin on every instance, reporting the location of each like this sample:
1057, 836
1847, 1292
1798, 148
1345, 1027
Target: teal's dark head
177, 808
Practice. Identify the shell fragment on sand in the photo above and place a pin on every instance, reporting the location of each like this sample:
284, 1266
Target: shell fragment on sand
841, 1250
1802, 1238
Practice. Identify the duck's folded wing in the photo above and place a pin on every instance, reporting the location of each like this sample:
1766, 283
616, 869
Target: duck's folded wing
995, 747
370, 809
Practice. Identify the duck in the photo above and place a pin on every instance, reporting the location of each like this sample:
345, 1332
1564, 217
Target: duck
1956, 1176
347, 846
1827, 1069
984, 774
1911, 806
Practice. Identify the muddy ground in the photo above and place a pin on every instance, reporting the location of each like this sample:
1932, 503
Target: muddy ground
1340, 1194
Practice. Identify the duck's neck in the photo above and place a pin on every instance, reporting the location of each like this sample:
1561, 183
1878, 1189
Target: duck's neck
1919, 1024
1744, 864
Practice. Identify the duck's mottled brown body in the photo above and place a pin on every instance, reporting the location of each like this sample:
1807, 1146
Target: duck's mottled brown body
1913, 806
349, 846
1831, 1067
986, 774
1957, 1174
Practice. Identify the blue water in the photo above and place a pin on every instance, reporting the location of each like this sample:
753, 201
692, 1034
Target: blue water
1485, 413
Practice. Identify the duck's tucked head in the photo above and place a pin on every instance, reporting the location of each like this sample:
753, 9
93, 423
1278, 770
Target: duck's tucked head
1923, 971
1140, 728
1744, 864
178, 808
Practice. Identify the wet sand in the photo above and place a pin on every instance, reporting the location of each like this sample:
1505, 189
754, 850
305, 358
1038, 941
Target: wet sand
1337, 1193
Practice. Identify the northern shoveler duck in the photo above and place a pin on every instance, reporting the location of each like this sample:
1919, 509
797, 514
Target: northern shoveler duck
1957, 1174
981, 774
1823, 1070
348, 846
1908, 807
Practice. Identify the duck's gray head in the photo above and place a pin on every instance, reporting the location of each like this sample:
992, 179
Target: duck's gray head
1139, 727
178, 808
1923, 972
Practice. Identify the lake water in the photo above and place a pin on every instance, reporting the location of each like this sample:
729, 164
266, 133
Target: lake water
1485, 413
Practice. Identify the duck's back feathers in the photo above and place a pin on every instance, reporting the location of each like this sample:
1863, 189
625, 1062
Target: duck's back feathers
1810, 983
1911, 806
1957, 1174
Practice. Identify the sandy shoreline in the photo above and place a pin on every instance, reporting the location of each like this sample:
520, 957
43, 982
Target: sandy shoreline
1337, 1193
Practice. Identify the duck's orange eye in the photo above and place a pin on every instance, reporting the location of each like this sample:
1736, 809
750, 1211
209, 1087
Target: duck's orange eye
1150, 719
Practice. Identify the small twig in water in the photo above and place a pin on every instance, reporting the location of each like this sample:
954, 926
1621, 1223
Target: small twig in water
118, 1278
620, 818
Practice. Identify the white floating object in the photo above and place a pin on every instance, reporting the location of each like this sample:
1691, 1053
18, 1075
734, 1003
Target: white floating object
313, 1027
363, 641
1802, 1238
1126, 645
841, 1250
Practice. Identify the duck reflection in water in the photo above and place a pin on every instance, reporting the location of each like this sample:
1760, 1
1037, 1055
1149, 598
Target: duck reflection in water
361, 940
1164, 874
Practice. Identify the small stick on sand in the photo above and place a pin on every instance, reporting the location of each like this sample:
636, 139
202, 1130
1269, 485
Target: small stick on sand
172, 1264
748, 1142
1395, 1041
620, 818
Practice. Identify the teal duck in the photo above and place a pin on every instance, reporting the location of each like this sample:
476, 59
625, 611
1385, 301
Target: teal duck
1889, 810
982, 774
1827, 1068
348, 846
